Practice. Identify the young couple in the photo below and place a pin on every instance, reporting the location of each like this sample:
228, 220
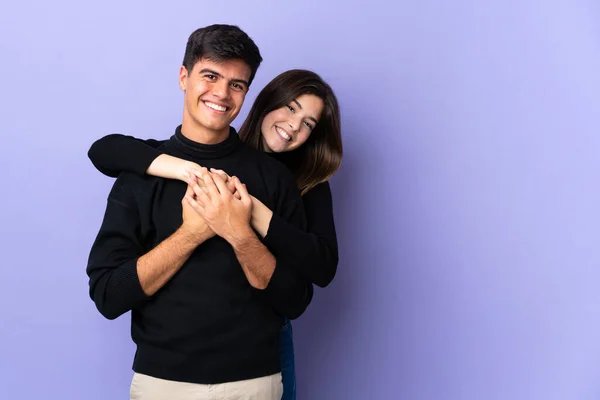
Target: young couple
214, 260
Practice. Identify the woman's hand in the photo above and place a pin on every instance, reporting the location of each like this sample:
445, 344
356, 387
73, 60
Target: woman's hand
194, 177
261, 214
188, 168
228, 181
167, 166
226, 215
193, 223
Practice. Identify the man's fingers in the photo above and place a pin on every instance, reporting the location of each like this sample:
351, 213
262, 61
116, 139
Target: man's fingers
201, 196
210, 186
221, 185
224, 174
195, 205
230, 185
197, 189
226, 178
241, 189
195, 174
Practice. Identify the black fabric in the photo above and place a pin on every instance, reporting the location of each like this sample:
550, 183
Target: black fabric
207, 324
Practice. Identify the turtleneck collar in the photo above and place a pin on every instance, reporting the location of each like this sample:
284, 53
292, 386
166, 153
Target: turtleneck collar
200, 150
291, 159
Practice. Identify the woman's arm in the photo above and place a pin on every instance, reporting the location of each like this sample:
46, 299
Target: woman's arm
315, 252
261, 217
118, 153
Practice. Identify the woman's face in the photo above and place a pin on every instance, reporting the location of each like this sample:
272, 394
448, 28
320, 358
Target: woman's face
288, 127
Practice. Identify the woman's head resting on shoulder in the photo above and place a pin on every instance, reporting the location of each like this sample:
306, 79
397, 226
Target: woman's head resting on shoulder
298, 111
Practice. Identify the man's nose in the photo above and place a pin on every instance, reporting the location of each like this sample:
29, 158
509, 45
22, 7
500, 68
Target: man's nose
221, 89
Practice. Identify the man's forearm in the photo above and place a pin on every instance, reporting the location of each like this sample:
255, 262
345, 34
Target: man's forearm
288, 294
158, 266
256, 260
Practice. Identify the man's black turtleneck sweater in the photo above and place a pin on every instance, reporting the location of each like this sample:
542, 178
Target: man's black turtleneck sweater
207, 324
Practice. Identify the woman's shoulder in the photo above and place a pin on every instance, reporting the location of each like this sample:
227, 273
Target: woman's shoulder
318, 195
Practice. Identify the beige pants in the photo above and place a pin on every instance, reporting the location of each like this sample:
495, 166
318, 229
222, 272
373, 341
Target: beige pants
144, 387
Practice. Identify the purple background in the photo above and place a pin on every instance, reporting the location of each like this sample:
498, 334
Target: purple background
467, 204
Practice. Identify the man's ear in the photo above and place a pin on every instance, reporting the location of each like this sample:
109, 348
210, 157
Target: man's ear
183, 76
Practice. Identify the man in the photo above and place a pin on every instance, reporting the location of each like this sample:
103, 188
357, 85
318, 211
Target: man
207, 298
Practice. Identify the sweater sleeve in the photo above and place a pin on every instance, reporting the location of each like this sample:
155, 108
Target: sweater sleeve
289, 292
118, 153
112, 264
314, 254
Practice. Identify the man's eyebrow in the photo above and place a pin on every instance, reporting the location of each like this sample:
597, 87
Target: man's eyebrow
210, 71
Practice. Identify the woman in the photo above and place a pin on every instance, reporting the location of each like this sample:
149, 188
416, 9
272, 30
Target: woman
295, 118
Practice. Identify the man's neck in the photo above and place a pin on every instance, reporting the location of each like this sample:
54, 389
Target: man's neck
200, 134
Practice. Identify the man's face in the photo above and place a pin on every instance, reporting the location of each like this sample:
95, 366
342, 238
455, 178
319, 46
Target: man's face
214, 93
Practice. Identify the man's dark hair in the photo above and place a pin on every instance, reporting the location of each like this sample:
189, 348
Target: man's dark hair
220, 43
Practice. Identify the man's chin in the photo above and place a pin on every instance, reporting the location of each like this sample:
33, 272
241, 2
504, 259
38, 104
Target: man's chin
213, 126
219, 128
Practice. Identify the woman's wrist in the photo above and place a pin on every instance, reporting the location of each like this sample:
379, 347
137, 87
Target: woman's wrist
261, 217
169, 167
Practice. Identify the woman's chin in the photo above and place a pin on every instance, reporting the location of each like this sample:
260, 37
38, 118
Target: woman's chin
276, 147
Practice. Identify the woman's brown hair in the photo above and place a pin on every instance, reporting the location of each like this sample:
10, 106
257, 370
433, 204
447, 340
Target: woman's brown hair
321, 156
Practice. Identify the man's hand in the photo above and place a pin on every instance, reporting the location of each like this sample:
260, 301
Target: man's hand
228, 181
226, 215
194, 224
194, 175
